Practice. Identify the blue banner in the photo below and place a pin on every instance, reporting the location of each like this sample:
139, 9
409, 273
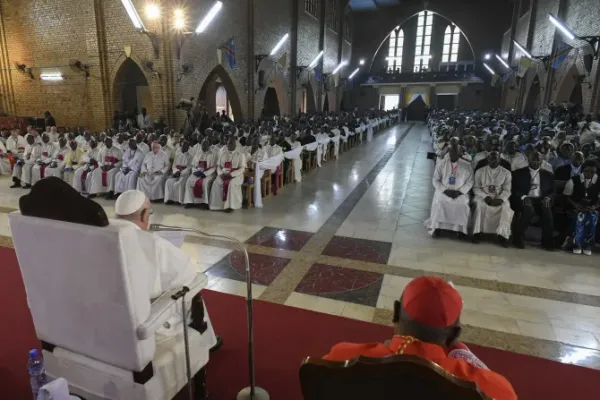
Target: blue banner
228, 48
561, 55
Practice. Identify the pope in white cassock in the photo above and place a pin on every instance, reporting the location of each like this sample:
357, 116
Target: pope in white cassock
175, 185
155, 167
452, 180
199, 185
103, 178
226, 193
492, 212
168, 266
126, 178
57, 165
82, 177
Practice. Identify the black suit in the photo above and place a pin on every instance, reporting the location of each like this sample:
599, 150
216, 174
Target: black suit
521, 185
563, 173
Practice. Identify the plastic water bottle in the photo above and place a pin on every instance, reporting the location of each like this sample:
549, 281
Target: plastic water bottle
37, 372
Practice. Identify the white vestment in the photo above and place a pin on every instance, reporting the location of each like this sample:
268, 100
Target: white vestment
258, 156
175, 187
16, 146
495, 183
4, 162
32, 154
57, 166
233, 163
112, 157
85, 173
517, 161
126, 178
154, 174
202, 163
446, 212
49, 151
144, 148
167, 268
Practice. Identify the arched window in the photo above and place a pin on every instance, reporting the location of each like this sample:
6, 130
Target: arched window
423, 42
451, 44
394, 58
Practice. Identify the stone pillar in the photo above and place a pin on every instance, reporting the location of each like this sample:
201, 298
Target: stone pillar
319, 66
294, 58
250, 59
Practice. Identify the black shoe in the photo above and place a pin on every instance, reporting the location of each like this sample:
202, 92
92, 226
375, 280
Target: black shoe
476, 238
548, 248
503, 241
519, 244
15, 185
218, 345
461, 235
229, 210
169, 202
436, 233
187, 206
92, 196
27, 186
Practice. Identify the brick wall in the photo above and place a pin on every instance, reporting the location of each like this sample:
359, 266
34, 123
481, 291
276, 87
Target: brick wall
45, 34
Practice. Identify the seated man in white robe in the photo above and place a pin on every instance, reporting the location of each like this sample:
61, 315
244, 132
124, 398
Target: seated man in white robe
24, 166
73, 161
126, 178
170, 150
203, 173
103, 178
49, 151
57, 165
255, 154
226, 193
54, 136
452, 180
5, 167
82, 178
141, 145
491, 211
175, 185
155, 167
169, 268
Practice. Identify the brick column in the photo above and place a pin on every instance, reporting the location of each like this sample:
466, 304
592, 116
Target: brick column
250, 59
294, 58
321, 47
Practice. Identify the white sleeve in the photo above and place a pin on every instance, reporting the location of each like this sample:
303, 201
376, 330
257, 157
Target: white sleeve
568, 190
175, 268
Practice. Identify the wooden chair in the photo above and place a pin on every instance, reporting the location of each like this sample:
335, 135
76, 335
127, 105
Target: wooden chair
313, 160
290, 174
248, 191
396, 377
265, 184
280, 183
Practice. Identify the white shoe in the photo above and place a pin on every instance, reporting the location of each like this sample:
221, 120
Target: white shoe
587, 252
576, 250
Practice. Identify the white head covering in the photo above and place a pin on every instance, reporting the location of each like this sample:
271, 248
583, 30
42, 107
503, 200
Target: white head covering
129, 202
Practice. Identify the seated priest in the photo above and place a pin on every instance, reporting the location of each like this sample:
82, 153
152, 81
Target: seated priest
491, 212
155, 167
427, 324
583, 196
170, 268
49, 150
126, 178
452, 180
57, 164
568, 171
175, 184
226, 193
199, 184
103, 178
512, 155
24, 166
532, 193
82, 178
5, 160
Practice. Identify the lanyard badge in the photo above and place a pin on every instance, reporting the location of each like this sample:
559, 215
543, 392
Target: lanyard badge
452, 179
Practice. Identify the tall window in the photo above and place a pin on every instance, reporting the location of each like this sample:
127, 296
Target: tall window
423, 42
451, 44
333, 22
394, 58
311, 7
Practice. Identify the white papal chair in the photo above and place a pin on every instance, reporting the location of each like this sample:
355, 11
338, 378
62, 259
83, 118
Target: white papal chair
89, 298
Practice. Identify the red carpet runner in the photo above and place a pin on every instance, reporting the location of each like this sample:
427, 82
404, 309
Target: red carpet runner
284, 336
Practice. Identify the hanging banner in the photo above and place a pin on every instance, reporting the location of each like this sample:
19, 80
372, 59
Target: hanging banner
561, 55
283, 60
229, 49
524, 65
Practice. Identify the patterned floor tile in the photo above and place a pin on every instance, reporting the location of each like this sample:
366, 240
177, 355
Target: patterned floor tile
285, 239
264, 269
358, 249
345, 284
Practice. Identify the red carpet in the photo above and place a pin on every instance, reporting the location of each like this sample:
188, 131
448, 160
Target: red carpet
284, 336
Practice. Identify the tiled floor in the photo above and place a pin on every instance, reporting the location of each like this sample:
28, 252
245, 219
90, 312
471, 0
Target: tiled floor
350, 236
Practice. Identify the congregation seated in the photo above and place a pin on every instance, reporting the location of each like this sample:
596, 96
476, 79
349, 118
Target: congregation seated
427, 324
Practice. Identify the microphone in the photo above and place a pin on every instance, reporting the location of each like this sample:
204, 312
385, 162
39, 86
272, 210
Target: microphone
251, 392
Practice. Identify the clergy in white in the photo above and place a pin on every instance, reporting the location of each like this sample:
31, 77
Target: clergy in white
23, 167
126, 178
82, 178
5, 168
175, 185
492, 212
203, 173
73, 161
155, 167
49, 151
452, 180
516, 159
57, 165
103, 178
226, 193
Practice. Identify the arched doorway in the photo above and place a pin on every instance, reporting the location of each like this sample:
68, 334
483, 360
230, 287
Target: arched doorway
227, 97
307, 104
576, 96
533, 97
131, 90
271, 103
326, 102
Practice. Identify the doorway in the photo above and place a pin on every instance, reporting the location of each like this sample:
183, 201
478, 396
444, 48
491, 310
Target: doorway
222, 101
271, 103
131, 89
391, 101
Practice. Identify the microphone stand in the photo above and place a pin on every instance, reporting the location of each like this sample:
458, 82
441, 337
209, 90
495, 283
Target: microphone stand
251, 392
